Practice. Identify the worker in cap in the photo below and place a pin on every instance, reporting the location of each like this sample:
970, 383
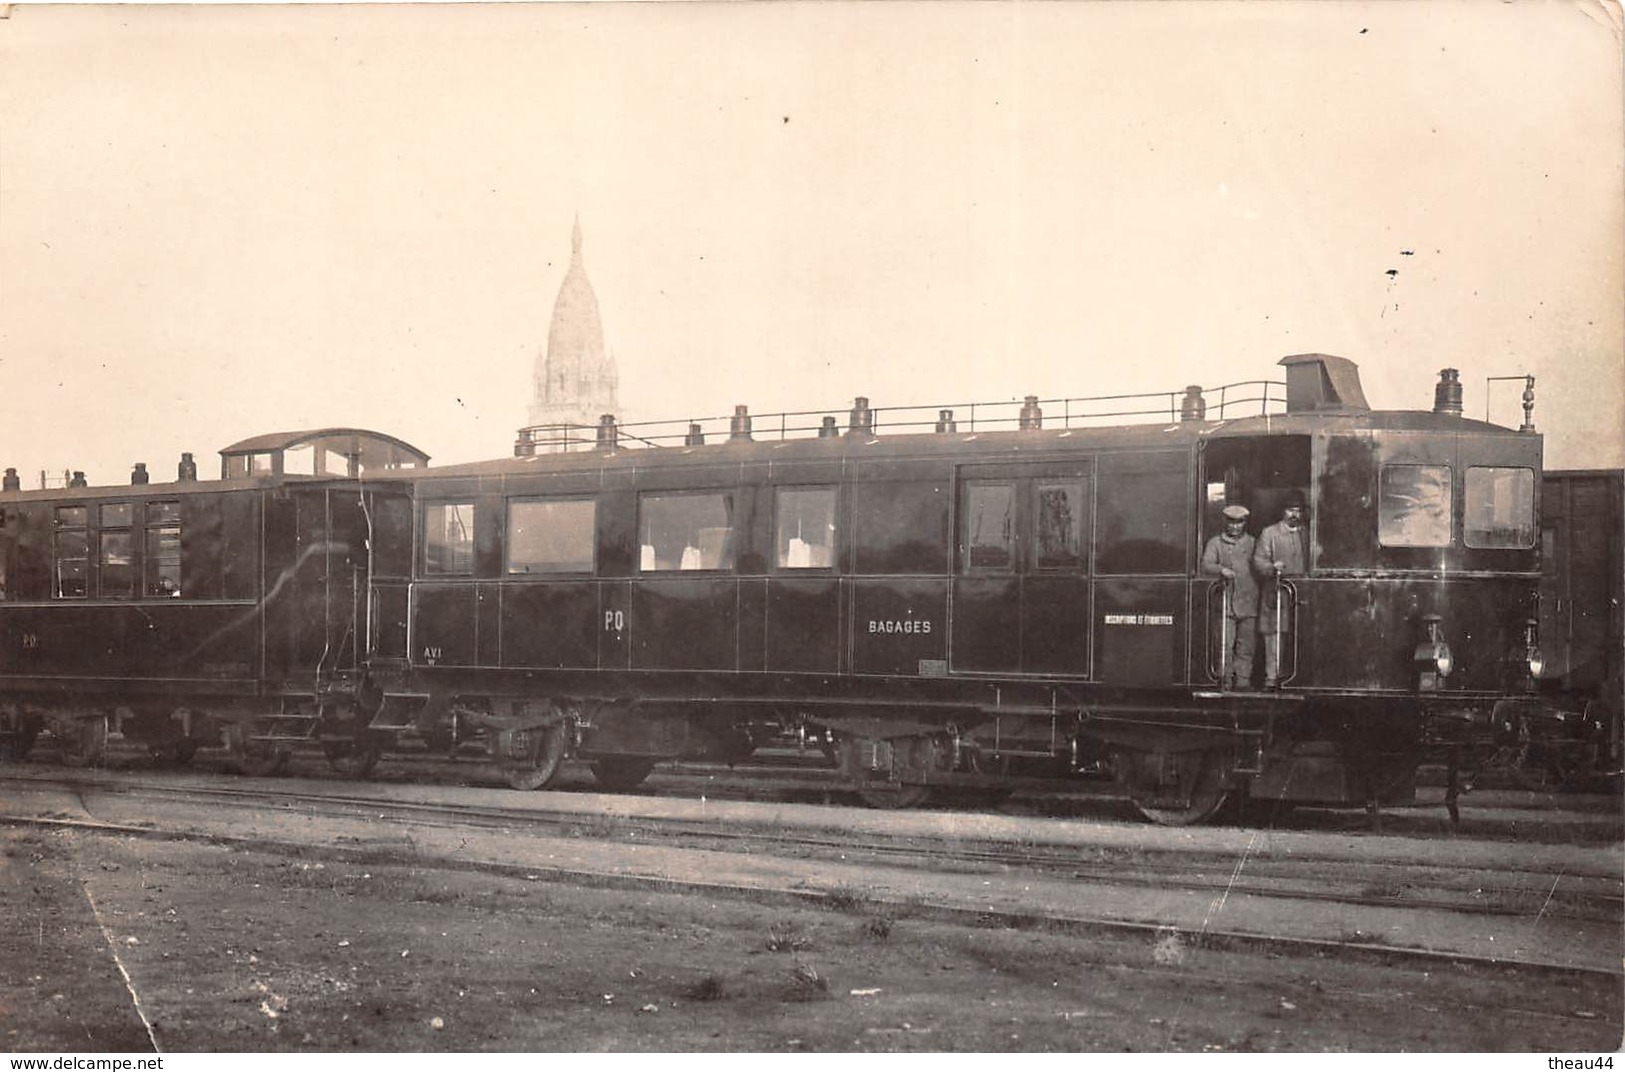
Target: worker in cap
1229, 555
1282, 551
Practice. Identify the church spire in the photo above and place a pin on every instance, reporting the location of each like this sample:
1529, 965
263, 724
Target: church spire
575, 378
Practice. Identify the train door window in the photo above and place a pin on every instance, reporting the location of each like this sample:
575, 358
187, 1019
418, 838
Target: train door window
163, 558
1413, 508
688, 531
1059, 513
1499, 508
1141, 513
448, 538
551, 535
806, 528
115, 543
70, 552
987, 538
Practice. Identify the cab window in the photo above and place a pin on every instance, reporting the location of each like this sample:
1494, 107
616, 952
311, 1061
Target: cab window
1414, 506
1499, 508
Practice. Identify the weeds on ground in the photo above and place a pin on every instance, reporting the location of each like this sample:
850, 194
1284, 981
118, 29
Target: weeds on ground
845, 898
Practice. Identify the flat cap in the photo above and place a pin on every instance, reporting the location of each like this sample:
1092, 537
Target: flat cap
1236, 513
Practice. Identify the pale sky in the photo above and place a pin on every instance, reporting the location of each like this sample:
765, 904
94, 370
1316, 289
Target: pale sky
222, 221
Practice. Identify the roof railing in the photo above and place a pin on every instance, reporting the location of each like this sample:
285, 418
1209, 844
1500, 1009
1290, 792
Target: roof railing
1246, 398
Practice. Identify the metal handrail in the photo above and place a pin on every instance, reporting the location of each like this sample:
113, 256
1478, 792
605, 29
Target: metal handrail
1231, 400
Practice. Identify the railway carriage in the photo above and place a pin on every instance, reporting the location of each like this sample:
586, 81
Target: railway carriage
191, 612
947, 602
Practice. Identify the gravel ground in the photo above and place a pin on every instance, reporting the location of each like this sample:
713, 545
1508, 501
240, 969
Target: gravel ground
126, 944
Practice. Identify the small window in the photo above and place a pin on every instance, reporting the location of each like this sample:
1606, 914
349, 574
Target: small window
988, 536
448, 538
1058, 526
1415, 506
1500, 508
552, 536
806, 533
686, 532
163, 559
70, 550
115, 515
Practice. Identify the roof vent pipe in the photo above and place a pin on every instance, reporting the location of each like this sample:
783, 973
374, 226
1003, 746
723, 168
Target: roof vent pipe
862, 420
11, 481
739, 424
946, 422
1031, 415
186, 471
1193, 407
695, 436
608, 435
523, 447
138, 475
829, 429
1447, 393
78, 480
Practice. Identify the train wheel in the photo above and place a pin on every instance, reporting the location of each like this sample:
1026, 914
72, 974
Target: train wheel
353, 758
83, 742
1174, 788
619, 773
257, 759
531, 757
857, 764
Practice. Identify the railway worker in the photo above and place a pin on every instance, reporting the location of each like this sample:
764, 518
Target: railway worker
1279, 553
1230, 555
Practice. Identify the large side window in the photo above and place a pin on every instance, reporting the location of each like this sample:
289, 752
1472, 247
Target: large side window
551, 535
1413, 508
687, 531
1499, 508
448, 538
987, 536
163, 549
70, 552
806, 528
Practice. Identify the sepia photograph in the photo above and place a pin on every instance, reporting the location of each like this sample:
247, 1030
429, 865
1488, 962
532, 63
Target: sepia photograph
810, 526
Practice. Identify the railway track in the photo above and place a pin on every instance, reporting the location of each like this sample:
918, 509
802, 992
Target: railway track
1549, 905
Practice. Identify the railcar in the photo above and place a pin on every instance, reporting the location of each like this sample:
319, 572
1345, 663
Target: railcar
962, 604
192, 612
947, 602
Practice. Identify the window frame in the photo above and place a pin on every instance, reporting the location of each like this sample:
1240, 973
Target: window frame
573, 566
781, 545
157, 523
1396, 542
1531, 524
728, 497
427, 563
1012, 542
59, 528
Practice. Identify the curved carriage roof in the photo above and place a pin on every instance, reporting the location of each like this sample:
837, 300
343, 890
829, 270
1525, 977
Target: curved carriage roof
366, 450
